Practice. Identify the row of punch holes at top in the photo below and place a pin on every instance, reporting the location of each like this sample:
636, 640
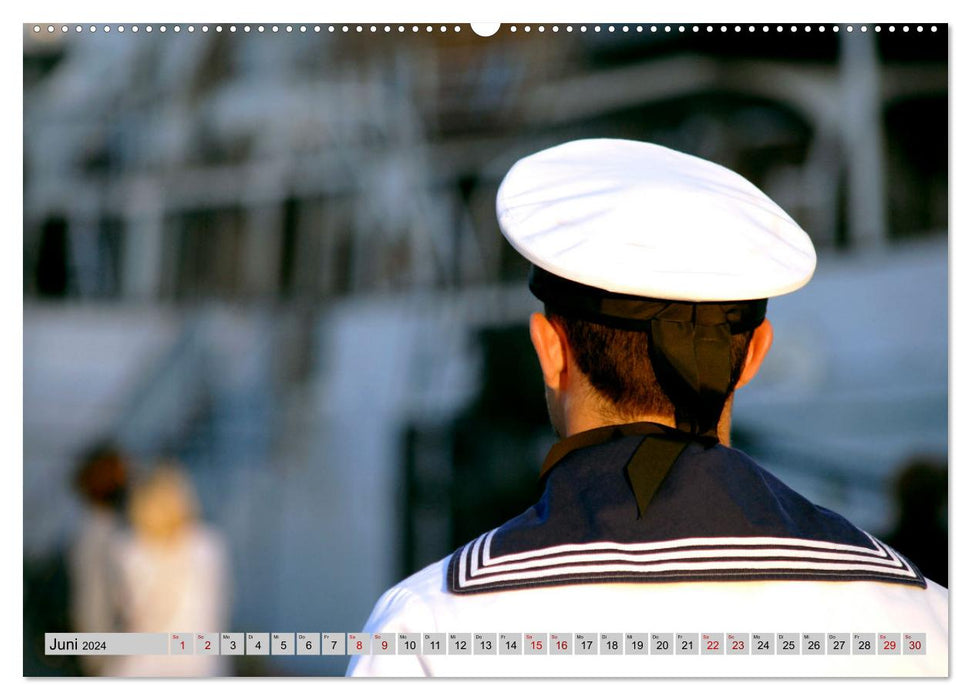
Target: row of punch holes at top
414, 28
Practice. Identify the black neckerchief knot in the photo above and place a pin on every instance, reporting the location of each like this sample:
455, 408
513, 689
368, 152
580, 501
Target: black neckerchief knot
650, 463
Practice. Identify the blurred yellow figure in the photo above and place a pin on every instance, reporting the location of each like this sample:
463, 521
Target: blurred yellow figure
174, 574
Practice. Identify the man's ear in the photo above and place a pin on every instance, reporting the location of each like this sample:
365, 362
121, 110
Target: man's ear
550, 346
758, 347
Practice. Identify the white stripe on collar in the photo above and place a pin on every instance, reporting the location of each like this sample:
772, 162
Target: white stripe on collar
698, 558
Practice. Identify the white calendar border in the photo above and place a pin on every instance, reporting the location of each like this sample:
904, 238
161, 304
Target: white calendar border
603, 9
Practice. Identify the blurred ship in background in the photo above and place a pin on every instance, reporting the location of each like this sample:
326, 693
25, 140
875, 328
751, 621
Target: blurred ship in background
275, 256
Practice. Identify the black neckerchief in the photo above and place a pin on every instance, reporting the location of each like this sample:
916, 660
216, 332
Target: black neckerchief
649, 464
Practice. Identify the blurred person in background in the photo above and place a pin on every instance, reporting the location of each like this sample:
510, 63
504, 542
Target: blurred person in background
102, 481
920, 533
174, 574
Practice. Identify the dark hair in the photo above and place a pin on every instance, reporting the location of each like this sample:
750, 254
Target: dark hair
102, 475
618, 364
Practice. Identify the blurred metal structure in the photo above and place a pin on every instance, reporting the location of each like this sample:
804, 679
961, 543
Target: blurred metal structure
319, 165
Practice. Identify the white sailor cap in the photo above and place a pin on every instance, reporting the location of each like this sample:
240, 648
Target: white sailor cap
640, 219
640, 237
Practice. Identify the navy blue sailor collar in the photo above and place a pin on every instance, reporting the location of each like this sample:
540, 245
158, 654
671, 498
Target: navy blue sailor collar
715, 515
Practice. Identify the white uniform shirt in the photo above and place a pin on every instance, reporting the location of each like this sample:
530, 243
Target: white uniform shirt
422, 603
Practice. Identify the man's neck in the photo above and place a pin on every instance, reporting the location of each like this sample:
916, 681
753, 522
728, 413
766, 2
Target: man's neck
590, 421
578, 421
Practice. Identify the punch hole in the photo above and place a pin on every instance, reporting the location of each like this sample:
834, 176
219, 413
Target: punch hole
485, 28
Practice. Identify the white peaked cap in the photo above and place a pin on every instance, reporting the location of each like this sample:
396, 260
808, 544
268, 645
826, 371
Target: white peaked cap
635, 218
